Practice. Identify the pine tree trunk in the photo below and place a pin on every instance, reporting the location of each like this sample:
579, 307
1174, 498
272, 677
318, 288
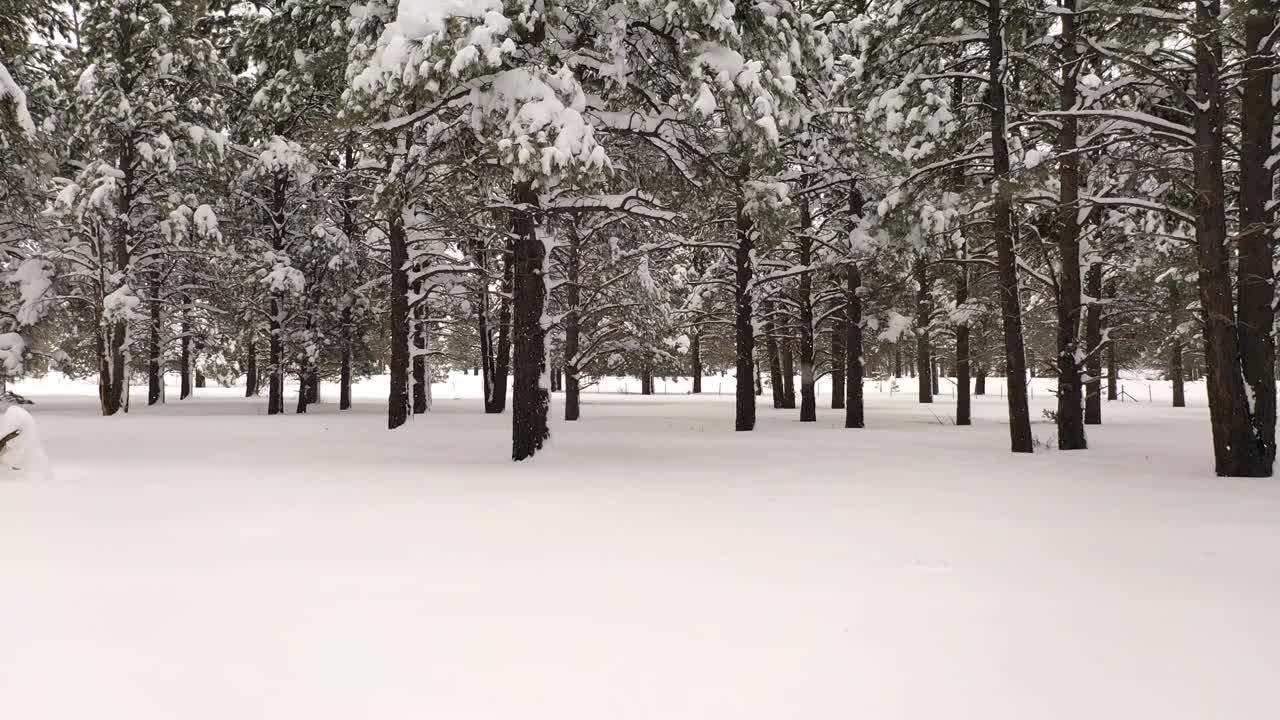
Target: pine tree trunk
788, 373
275, 360
980, 380
1093, 342
1070, 393
838, 360
251, 366
743, 329
275, 384
775, 366
963, 411
1175, 373
853, 410
184, 368
398, 401
1113, 370
420, 379
530, 401
1237, 450
573, 326
897, 359
482, 329
155, 379
303, 399
925, 384
502, 364
1020, 438
934, 373
695, 357
344, 372
1255, 270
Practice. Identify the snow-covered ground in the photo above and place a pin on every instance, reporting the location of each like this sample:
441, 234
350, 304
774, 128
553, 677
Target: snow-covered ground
202, 561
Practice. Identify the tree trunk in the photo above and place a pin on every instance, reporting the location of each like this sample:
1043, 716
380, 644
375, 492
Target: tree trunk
344, 372
808, 397
155, 378
275, 386
853, 410
837, 360
744, 331
1113, 370
398, 401
897, 359
1070, 393
980, 380
1237, 449
1175, 373
251, 366
502, 364
788, 373
695, 357
530, 400
184, 368
573, 326
925, 384
934, 373
420, 379
482, 325
963, 411
775, 366
1255, 270
1020, 439
1093, 345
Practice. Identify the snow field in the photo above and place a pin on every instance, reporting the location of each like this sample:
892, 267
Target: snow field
204, 561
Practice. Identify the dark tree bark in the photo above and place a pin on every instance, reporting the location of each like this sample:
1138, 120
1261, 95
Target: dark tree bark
1113, 369
502, 364
419, 333
344, 367
482, 324
980, 380
251, 366
897, 359
155, 379
925, 384
113, 333
398, 400
775, 366
853, 410
184, 360
1093, 345
808, 396
934, 373
1255, 270
744, 332
1175, 373
695, 357
573, 327
275, 338
1020, 439
788, 358
837, 359
1070, 392
530, 401
1237, 449
963, 411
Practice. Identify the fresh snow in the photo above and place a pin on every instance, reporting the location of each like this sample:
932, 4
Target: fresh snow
203, 561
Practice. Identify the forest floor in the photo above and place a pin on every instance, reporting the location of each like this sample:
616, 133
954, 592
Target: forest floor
202, 561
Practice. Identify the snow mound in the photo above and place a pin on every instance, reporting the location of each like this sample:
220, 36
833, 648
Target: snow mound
20, 446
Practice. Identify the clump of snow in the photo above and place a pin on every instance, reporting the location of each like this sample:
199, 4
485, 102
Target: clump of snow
23, 451
10, 89
12, 347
